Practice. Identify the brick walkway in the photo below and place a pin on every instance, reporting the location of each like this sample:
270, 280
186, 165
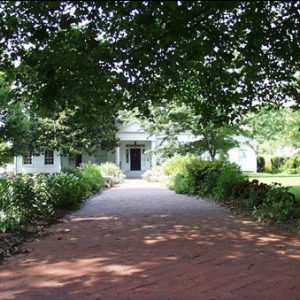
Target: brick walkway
139, 241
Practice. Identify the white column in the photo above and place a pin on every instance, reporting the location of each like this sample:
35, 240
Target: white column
118, 156
153, 157
16, 165
58, 157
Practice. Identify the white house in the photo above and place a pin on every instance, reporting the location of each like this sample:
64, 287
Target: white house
244, 155
134, 154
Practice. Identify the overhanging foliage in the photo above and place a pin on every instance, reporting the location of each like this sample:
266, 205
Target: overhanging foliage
221, 57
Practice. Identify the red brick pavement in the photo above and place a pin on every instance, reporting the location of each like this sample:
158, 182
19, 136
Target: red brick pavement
140, 241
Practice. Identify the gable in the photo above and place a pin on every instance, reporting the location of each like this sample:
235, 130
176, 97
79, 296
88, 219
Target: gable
131, 127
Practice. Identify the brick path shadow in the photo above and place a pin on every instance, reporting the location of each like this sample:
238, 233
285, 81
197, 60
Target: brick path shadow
125, 244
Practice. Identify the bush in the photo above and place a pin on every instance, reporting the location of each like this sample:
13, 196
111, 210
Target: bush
278, 205
277, 163
250, 194
176, 165
90, 175
269, 167
24, 199
68, 191
154, 175
111, 169
224, 181
182, 184
29, 198
271, 202
230, 175
208, 178
261, 164
3, 189
292, 165
202, 176
9, 220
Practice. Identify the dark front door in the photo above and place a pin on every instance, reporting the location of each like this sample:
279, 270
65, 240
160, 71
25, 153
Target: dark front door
135, 159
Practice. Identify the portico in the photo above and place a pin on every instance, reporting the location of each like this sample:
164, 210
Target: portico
134, 154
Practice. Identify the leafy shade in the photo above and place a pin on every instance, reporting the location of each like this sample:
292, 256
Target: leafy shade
113, 55
22, 132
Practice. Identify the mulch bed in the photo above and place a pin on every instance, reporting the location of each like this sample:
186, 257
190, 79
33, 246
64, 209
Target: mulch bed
292, 225
12, 243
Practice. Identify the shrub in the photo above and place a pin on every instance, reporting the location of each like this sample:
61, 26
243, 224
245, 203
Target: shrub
203, 176
24, 199
230, 175
260, 164
182, 184
28, 198
29, 195
208, 178
271, 202
250, 194
223, 180
277, 163
90, 175
3, 190
68, 191
213, 178
111, 169
292, 165
278, 205
193, 175
176, 165
155, 174
9, 220
268, 167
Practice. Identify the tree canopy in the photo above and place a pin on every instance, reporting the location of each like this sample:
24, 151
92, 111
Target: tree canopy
96, 57
274, 129
171, 119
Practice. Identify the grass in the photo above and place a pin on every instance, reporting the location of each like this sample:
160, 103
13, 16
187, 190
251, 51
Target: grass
292, 181
296, 191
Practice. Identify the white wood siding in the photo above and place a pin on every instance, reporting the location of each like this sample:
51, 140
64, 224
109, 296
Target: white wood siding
245, 157
38, 165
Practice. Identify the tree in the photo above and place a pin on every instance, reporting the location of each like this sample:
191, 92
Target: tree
274, 129
72, 131
107, 56
173, 119
6, 155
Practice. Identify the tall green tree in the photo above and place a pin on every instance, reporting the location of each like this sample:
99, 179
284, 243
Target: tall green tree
148, 47
274, 129
78, 130
172, 119
222, 57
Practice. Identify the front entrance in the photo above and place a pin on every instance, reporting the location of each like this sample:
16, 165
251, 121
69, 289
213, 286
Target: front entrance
135, 159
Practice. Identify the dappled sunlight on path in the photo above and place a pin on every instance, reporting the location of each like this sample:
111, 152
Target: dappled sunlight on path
141, 241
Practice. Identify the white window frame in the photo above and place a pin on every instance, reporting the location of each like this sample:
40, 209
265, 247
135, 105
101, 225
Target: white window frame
45, 158
31, 159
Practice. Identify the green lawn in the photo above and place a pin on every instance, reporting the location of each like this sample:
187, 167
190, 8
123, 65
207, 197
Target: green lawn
296, 191
292, 181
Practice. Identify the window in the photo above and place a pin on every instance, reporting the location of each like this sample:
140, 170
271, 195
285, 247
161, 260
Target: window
27, 159
49, 157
